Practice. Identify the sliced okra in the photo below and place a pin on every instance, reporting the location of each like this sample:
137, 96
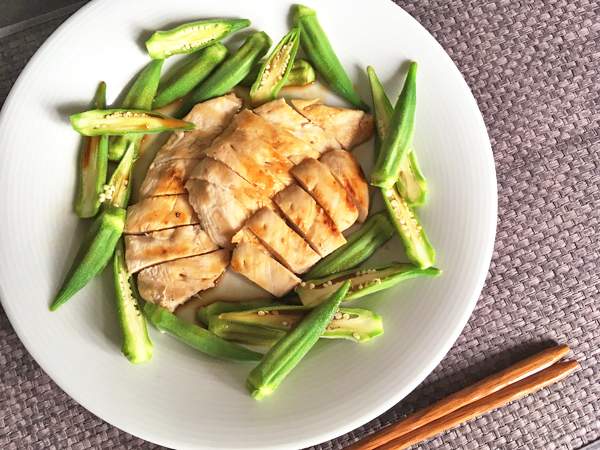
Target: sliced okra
274, 71
363, 282
118, 189
302, 73
190, 37
214, 309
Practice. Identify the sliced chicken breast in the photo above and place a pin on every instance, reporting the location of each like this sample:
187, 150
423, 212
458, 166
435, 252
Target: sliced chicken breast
220, 213
349, 174
159, 213
167, 177
283, 242
279, 113
316, 179
260, 268
350, 127
216, 172
145, 250
211, 118
172, 283
309, 219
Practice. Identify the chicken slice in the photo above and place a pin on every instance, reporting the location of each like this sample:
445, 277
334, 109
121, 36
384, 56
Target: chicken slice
159, 213
219, 212
172, 283
210, 117
167, 177
316, 179
349, 174
157, 247
283, 242
279, 113
350, 127
216, 172
260, 268
309, 219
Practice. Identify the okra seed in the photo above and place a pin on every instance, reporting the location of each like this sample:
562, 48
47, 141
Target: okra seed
338, 315
311, 285
303, 283
356, 336
345, 316
262, 313
284, 323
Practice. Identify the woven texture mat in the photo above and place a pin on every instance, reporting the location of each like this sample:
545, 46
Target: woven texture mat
534, 67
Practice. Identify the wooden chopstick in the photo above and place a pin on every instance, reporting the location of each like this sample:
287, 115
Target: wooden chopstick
466, 396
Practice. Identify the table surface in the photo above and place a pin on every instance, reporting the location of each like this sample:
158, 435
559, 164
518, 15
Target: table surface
533, 66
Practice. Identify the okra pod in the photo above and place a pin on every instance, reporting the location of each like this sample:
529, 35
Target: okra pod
137, 346
359, 325
214, 309
274, 71
94, 254
99, 122
139, 96
229, 74
118, 189
359, 247
196, 69
317, 47
411, 183
302, 73
416, 243
197, 337
363, 282
193, 36
398, 139
281, 359
93, 165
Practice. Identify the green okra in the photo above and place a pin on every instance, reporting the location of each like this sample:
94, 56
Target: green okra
416, 243
363, 282
214, 309
99, 122
118, 189
359, 325
281, 359
319, 51
231, 72
197, 67
398, 139
139, 96
197, 337
359, 247
275, 70
302, 73
192, 36
411, 183
94, 254
93, 166
137, 346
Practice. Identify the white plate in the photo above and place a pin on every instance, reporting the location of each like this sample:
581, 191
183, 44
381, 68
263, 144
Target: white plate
183, 399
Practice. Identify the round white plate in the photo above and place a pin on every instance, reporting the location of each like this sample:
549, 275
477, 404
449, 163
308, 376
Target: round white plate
183, 399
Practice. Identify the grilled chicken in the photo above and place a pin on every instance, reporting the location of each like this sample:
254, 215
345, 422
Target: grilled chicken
172, 283
283, 242
167, 177
350, 127
159, 213
251, 261
220, 212
279, 113
317, 180
210, 117
349, 174
153, 248
309, 219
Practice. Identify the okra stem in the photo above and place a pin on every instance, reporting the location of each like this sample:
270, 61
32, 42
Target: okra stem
137, 346
375, 232
197, 337
289, 351
317, 47
396, 143
140, 96
93, 165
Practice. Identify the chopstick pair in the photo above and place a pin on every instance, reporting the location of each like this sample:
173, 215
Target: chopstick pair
513, 383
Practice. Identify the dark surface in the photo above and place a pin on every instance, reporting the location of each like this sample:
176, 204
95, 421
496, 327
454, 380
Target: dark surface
534, 69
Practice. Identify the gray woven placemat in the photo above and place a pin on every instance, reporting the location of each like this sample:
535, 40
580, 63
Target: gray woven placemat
533, 66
